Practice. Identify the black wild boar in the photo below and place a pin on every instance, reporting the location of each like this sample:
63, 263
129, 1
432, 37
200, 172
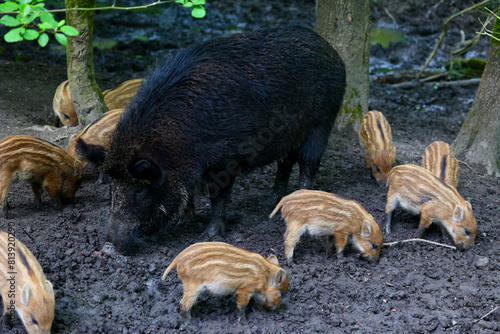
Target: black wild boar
216, 110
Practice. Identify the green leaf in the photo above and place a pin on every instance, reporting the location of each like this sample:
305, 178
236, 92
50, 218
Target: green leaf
61, 23
199, 2
39, 6
23, 2
9, 6
44, 26
61, 38
14, 35
69, 30
30, 34
198, 12
43, 39
179, 2
30, 18
25, 10
187, 4
48, 18
9, 21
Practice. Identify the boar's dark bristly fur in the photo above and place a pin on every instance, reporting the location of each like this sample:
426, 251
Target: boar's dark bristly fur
216, 110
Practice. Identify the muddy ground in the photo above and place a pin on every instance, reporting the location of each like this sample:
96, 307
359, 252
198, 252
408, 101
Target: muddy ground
415, 288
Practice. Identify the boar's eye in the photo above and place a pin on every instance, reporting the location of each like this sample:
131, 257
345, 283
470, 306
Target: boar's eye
139, 192
377, 169
66, 117
467, 232
374, 245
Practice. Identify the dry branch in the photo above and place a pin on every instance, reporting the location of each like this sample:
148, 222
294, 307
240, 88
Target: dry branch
444, 29
487, 314
385, 244
411, 84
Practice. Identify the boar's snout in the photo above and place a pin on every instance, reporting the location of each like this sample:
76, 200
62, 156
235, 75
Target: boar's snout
125, 237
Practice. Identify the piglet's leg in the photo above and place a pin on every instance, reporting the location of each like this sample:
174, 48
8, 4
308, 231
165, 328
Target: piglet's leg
291, 238
392, 202
51, 185
242, 300
189, 297
37, 192
4, 191
340, 241
425, 222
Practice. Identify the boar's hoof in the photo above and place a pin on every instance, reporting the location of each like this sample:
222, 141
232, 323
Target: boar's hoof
109, 249
274, 199
215, 228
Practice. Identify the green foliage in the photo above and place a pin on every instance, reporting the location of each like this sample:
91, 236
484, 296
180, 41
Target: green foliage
198, 10
32, 22
29, 12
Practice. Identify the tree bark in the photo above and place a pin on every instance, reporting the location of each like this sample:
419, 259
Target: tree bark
345, 24
479, 138
85, 93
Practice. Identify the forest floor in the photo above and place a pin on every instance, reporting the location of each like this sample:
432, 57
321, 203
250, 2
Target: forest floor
416, 287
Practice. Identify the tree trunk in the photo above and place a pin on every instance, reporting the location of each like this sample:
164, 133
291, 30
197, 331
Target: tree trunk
85, 93
479, 138
345, 24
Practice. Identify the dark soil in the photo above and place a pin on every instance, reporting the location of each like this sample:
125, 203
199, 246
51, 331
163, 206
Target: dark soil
416, 287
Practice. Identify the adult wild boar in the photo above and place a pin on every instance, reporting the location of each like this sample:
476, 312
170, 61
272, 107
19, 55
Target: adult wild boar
213, 111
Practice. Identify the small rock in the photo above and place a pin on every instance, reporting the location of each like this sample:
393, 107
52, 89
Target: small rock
482, 262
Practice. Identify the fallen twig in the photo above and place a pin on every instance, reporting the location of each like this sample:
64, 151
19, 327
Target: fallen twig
464, 163
385, 244
411, 84
487, 314
390, 15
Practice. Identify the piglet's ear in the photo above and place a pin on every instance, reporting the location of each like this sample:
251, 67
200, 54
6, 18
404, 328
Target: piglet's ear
458, 214
273, 259
25, 295
366, 230
145, 169
279, 277
94, 154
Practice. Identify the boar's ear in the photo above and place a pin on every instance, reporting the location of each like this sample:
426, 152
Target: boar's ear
145, 169
468, 205
366, 229
273, 259
25, 295
95, 154
458, 214
278, 278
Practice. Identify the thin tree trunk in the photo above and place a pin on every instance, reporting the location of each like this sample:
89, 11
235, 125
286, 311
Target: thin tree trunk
479, 138
345, 24
85, 93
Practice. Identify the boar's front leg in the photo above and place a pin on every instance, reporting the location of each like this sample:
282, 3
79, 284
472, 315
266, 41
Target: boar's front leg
219, 194
282, 177
308, 170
